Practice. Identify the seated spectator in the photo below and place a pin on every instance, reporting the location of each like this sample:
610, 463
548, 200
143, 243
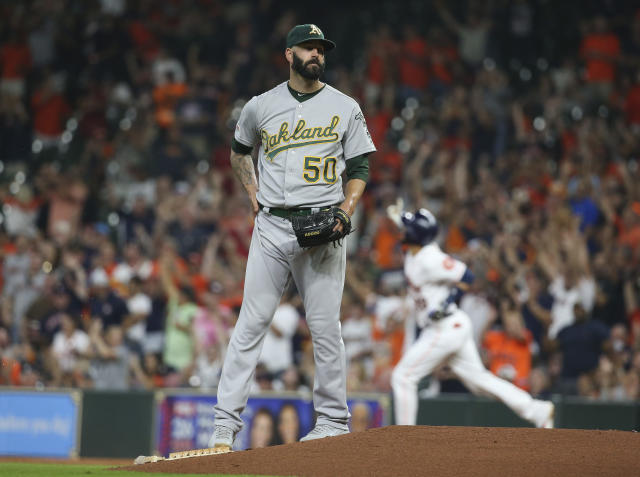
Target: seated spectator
540, 383
290, 380
631, 383
609, 379
263, 380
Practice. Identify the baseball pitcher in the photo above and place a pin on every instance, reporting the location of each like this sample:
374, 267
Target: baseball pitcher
308, 134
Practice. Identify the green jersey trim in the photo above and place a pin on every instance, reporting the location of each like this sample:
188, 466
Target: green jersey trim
301, 97
239, 147
358, 167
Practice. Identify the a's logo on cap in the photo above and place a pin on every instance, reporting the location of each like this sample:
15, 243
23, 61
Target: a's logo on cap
315, 30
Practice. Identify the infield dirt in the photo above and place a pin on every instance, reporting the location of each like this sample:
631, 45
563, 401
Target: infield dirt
431, 451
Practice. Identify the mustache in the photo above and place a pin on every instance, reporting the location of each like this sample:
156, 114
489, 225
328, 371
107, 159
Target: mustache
313, 62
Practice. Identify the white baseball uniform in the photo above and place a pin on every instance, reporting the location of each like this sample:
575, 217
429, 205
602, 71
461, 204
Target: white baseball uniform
431, 274
304, 146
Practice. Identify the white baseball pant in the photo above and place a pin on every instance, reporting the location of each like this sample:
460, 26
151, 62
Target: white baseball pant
450, 341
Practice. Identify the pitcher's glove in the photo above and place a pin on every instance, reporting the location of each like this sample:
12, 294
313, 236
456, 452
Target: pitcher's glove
317, 229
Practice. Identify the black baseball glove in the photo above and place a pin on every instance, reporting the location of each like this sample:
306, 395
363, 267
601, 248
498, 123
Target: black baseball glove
317, 229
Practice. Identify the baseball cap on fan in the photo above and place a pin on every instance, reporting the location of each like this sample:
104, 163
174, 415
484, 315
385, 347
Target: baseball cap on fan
307, 32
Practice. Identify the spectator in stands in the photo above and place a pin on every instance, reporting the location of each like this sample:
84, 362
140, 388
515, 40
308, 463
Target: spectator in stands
600, 49
135, 323
15, 130
155, 322
179, 346
104, 304
357, 333
277, 349
581, 343
531, 164
15, 62
571, 280
473, 35
70, 345
207, 368
50, 112
110, 360
172, 156
413, 64
508, 351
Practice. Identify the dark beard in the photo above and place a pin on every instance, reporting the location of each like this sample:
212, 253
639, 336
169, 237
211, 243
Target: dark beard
303, 70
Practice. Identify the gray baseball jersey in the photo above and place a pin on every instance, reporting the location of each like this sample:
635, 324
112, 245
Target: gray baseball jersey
304, 145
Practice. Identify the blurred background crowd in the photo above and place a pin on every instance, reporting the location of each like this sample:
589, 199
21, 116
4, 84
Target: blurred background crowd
124, 235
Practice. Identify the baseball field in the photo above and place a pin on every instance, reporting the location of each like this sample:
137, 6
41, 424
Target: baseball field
21, 469
397, 451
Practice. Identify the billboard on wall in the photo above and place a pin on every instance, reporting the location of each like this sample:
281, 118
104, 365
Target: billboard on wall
38, 424
186, 421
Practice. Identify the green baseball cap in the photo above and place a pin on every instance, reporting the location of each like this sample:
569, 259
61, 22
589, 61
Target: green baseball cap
307, 32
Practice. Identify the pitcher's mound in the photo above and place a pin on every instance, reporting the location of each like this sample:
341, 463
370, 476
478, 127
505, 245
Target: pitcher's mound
431, 451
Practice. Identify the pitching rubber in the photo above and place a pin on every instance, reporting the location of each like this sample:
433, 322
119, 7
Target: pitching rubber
146, 459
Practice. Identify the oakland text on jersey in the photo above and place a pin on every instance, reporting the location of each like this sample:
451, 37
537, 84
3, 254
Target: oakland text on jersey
310, 135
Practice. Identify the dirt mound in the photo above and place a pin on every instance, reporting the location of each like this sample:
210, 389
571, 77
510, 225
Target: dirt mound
433, 451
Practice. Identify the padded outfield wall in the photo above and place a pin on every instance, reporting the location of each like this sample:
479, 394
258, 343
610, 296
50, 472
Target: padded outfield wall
70, 423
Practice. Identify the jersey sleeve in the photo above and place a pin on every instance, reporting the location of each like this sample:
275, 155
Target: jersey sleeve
447, 269
247, 126
357, 140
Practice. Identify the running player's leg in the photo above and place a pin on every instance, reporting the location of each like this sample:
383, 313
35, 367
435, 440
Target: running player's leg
319, 276
467, 365
265, 279
432, 348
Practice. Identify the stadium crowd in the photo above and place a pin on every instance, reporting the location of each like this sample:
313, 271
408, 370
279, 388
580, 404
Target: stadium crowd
124, 234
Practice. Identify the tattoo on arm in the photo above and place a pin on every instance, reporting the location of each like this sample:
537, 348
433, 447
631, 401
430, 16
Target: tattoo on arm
242, 165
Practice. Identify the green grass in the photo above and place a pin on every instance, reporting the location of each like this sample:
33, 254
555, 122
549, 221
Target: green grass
14, 469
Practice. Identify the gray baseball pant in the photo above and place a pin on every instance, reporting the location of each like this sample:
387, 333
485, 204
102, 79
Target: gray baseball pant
274, 258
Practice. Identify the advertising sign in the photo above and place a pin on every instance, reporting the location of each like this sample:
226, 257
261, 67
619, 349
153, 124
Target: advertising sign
186, 421
38, 424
